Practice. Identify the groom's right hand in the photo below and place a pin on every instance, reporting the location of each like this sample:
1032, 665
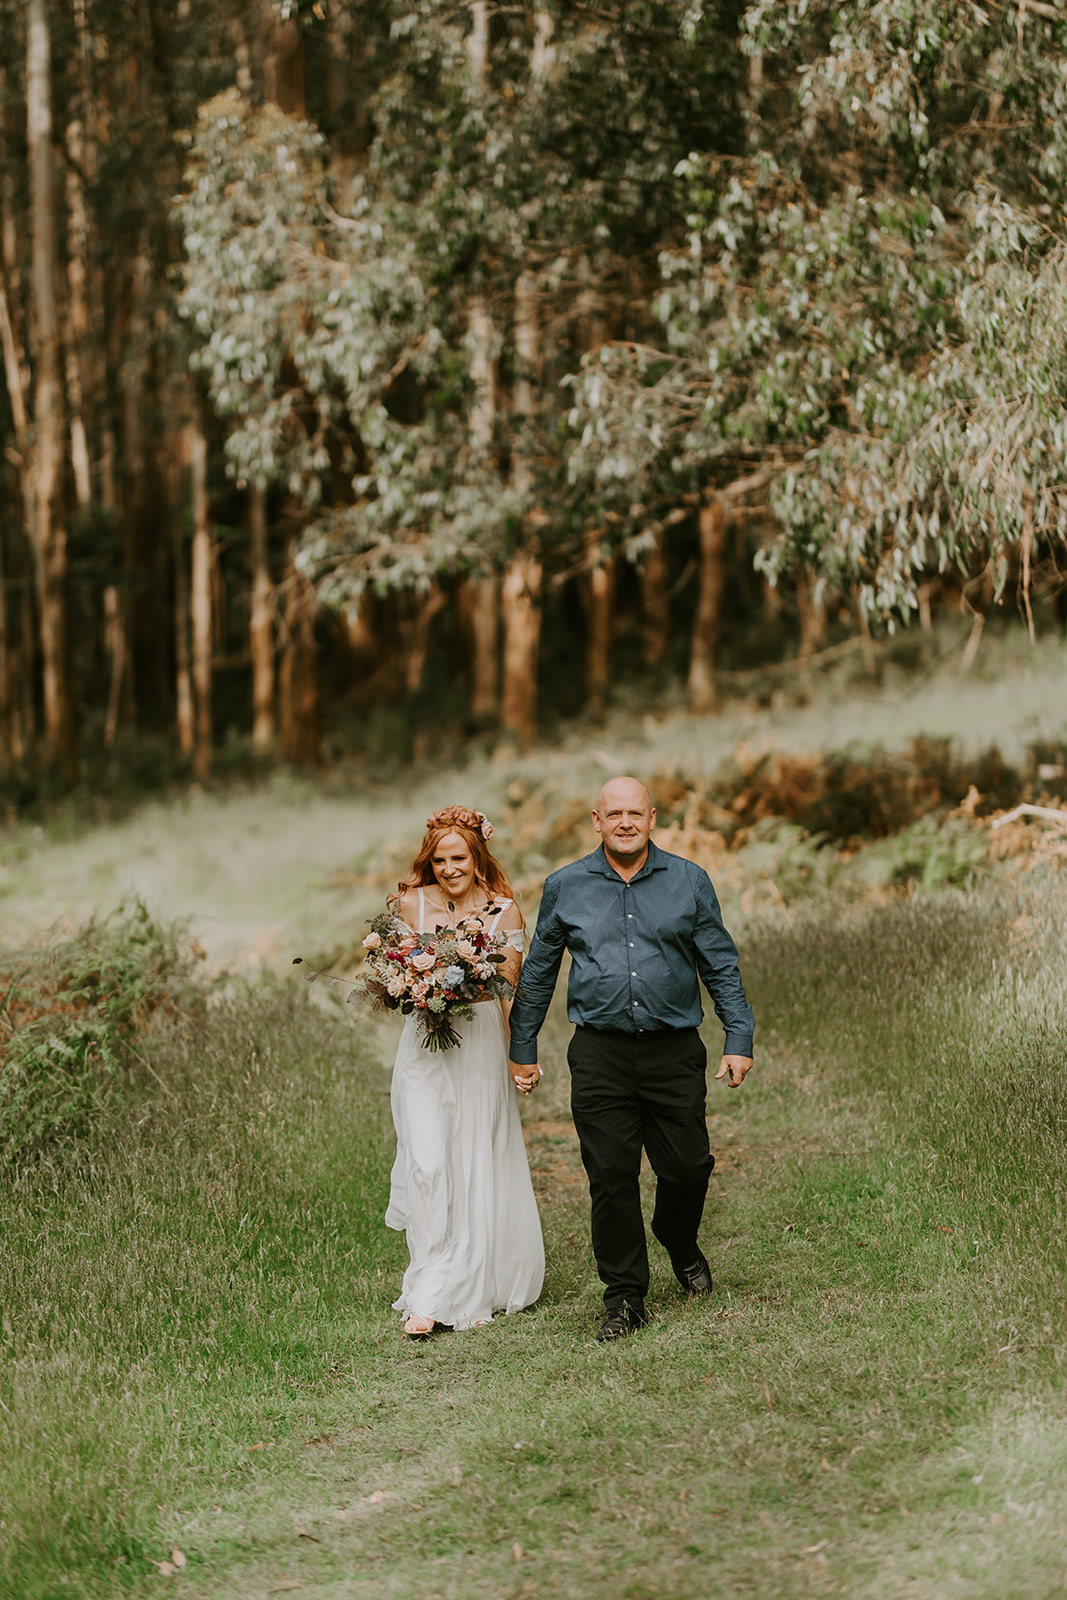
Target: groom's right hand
524, 1075
736, 1066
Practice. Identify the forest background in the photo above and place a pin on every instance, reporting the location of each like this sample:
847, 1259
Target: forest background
420, 382
376, 374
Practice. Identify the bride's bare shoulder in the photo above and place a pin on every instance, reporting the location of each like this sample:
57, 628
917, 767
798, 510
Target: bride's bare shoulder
510, 917
406, 907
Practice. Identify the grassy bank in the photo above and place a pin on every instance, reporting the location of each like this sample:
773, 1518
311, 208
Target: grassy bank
291, 863
199, 1351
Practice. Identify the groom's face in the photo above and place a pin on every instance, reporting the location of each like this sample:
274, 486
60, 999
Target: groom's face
624, 818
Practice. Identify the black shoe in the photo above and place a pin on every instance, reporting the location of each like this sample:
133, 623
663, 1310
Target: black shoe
621, 1319
695, 1279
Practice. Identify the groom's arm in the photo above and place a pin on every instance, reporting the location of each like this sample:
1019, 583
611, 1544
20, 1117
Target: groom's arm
539, 973
717, 963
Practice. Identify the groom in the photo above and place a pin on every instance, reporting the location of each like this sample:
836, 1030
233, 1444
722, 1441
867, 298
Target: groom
640, 925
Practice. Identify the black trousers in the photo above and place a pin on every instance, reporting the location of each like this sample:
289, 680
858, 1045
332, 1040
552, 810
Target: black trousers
630, 1090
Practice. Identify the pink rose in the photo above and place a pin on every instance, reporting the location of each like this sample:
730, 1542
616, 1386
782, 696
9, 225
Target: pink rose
408, 944
465, 950
420, 990
396, 985
372, 941
423, 961
485, 827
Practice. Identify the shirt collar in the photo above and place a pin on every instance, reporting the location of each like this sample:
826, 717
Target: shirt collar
598, 862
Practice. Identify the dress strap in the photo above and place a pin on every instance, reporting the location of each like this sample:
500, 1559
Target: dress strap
422, 911
500, 912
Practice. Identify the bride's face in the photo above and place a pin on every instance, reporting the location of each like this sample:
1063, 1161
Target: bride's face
453, 866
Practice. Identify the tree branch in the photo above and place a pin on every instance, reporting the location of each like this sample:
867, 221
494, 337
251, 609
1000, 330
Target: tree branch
1046, 813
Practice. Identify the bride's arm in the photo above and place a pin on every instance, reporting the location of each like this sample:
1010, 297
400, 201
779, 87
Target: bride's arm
511, 967
512, 973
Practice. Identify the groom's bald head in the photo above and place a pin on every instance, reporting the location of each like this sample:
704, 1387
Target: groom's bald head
627, 792
624, 818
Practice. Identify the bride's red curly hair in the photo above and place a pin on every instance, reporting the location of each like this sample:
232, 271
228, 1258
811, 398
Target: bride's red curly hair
467, 824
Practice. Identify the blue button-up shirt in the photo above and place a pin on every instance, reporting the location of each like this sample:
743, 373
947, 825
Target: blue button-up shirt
636, 949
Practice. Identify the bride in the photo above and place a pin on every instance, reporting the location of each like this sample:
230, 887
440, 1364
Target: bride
460, 1186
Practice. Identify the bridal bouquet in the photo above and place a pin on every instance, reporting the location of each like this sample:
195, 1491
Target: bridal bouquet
436, 975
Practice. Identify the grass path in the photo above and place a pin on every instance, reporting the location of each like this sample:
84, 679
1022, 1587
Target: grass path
197, 1346
199, 1351
838, 1419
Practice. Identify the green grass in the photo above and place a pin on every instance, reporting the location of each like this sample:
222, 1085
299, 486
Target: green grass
166, 1290
196, 1342
199, 1350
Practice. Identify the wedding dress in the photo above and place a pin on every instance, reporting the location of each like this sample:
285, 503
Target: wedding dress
460, 1186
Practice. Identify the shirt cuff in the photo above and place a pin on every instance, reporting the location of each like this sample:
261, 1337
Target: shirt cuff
523, 1052
737, 1044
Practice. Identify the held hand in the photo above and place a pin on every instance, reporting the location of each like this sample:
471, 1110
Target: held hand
736, 1066
524, 1077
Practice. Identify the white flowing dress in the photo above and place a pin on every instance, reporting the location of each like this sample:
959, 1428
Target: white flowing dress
460, 1186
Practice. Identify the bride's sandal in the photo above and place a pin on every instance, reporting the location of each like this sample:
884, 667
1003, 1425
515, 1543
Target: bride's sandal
419, 1327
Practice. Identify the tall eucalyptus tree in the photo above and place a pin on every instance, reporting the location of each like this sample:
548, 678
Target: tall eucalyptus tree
863, 327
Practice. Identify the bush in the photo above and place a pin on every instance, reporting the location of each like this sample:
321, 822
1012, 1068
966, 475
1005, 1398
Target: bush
71, 1010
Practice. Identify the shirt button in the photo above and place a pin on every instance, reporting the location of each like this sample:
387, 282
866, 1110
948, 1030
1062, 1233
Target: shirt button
631, 944
635, 1003
633, 974
629, 916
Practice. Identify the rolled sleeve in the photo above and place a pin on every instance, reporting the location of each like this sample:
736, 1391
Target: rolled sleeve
719, 968
539, 973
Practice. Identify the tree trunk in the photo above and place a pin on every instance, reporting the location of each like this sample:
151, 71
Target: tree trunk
261, 629
115, 645
183, 682
11, 743
283, 62
140, 624
348, 93
655, 605
299, 677
521, 605
479, 601
477, 41
527, 344
480, 335
201, 605
870, 660
772, 604
709, 604
47, 530
77, 309
812, 614
419, 633
359, 620
7, 732
542, 55
599, 602
522, 580
28, 638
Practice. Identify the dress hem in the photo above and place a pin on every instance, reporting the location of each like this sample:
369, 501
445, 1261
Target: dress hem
461, 1324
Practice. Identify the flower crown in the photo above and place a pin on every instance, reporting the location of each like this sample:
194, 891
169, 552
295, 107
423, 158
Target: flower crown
462, 816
